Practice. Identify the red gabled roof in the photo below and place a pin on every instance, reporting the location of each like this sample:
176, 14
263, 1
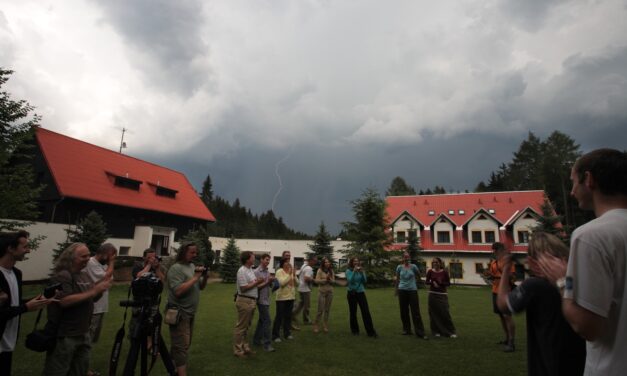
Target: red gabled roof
85, 171
504, 204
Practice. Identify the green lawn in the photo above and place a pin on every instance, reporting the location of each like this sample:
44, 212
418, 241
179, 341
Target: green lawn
338, 353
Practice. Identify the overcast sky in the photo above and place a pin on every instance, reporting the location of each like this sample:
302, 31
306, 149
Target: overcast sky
341, 94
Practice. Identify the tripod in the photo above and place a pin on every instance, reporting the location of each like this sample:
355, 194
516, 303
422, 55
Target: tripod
148, 323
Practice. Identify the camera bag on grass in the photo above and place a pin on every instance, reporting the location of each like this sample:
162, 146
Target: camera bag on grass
42, 340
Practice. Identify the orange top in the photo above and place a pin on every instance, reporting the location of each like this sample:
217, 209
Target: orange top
496, 270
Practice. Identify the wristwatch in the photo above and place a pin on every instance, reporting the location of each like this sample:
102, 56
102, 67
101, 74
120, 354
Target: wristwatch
561, 283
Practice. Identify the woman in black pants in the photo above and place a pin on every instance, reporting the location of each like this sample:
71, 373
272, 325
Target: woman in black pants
356, 278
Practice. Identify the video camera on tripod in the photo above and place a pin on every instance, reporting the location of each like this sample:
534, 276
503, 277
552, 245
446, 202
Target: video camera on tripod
146, 291
145, 326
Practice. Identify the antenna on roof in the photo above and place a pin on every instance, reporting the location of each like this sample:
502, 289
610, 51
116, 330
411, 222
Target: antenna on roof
122, 143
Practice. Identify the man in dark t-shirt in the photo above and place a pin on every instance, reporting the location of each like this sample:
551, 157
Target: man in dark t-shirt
553, 348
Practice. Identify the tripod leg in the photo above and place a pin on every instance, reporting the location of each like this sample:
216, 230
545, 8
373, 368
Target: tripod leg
144, 358
165, 357
131, 359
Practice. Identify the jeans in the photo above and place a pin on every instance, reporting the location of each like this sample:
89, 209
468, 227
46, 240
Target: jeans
283, 318
263, 331
355, 299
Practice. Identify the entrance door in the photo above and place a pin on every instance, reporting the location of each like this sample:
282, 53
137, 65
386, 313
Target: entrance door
161, 244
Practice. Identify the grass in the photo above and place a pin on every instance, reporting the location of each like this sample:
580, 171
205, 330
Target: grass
338, 353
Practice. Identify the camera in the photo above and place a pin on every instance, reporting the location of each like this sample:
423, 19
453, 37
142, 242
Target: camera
147, 289
51, 290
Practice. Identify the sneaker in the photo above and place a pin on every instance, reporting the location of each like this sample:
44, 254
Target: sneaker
437, 335
294, 327
290, 337
509, 348
453, 336
426, 338
269, 348
405, 333
277, 340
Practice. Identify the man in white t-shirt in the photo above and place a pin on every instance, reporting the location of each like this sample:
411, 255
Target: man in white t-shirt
594, 283
245, 303
100, 266
13, 248
305, 280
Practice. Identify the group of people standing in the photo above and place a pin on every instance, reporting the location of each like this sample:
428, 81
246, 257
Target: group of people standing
256, 286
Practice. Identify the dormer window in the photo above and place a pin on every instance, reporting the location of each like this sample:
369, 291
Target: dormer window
451, 212
125, 181
163, 191
431, 212
461, 212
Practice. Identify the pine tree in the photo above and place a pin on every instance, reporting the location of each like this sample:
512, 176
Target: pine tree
399, 187
230, 262
200, 236
206, 195
413, 248
91, 230
369, 236
322, 244
550, 222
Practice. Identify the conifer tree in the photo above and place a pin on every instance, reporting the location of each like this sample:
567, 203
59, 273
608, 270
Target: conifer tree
550, 222
91, 230
322, 244
369, 238
230, 262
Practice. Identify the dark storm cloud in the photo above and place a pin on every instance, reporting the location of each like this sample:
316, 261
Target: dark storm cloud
165, 40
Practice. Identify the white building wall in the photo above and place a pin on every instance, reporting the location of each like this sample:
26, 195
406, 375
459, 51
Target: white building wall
141, 240
297, 248
39, 262
523, 224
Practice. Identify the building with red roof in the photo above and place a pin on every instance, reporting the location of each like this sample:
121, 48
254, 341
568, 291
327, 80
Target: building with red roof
143, 204
460, 228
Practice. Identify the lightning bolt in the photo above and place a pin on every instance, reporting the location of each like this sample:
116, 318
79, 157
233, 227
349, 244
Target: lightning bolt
276, 172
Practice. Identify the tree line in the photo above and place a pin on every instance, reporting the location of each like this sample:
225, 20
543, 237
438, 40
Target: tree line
235, 220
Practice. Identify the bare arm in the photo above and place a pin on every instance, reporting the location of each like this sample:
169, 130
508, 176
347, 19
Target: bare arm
587, 324
504, 286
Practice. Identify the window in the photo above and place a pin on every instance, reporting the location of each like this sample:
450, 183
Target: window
476, 236
124, 251
451, 212
523, 236
461, 212
217, 255
166, 192
490, 237
400, 237
479, 268
444, 237
431, 212
341, 262
456, 270
128, 183
276, 262
298, 262
491, 211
